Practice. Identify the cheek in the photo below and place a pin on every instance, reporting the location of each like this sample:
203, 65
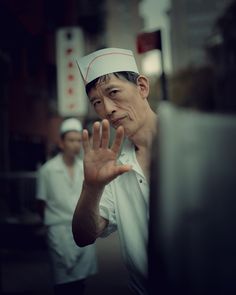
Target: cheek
77, 144
132, 111
125, 106
131, 104
100, 112
101, 115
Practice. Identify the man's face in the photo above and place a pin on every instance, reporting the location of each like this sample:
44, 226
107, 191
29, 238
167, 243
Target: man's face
71, 143
121, 102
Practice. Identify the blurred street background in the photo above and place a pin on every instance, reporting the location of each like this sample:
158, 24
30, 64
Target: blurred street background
26, 270
39, 87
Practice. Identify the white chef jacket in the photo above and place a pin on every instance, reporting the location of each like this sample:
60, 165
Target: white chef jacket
61, 193
125, 203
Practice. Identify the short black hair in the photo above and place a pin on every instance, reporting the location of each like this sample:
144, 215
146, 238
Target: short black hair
129, 76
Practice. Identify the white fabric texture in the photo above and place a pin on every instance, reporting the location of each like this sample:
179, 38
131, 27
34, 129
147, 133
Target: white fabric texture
61, 194
59, 191
70, 262
125, 203
106, 61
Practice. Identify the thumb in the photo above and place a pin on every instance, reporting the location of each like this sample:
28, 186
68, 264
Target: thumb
121, 169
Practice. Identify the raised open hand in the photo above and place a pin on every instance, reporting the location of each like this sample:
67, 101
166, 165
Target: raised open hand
100, 160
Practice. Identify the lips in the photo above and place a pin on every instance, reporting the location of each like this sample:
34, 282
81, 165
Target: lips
116, 122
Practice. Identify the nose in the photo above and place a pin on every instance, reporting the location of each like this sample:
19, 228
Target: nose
109, 107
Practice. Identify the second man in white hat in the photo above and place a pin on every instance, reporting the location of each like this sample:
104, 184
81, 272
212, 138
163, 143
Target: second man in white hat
59, 181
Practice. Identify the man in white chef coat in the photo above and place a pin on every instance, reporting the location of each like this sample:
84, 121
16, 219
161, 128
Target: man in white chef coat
58, 186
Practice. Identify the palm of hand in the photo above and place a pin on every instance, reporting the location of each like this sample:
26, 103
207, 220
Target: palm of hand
100, 161
100, 166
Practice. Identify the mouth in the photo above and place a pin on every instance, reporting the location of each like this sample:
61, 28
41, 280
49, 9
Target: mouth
117, 122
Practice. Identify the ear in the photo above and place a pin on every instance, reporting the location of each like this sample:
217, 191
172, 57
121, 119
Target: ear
143, 85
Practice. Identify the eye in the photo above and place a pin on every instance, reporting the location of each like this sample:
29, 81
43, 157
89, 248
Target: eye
96, 102
113, 92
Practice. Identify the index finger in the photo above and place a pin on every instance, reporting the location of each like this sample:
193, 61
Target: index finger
85, 140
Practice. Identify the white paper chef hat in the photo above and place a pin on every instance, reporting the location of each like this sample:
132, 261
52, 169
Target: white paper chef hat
71, 124
106, 61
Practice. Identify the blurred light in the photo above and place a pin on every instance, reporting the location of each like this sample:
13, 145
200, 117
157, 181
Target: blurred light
151, 64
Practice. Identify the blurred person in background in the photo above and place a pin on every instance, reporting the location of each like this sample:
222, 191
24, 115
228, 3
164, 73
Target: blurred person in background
58, 185
115, 194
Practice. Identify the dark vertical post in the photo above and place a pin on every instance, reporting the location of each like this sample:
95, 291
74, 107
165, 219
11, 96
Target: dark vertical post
163, 76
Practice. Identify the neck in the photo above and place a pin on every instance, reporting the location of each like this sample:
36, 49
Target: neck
144, 137
68, 160
143, 143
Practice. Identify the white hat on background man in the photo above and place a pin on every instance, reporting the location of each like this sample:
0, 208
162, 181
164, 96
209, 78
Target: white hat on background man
106, 61
71, 124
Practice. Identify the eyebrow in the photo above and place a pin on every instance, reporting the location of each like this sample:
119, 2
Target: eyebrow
109, 87
92, 99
